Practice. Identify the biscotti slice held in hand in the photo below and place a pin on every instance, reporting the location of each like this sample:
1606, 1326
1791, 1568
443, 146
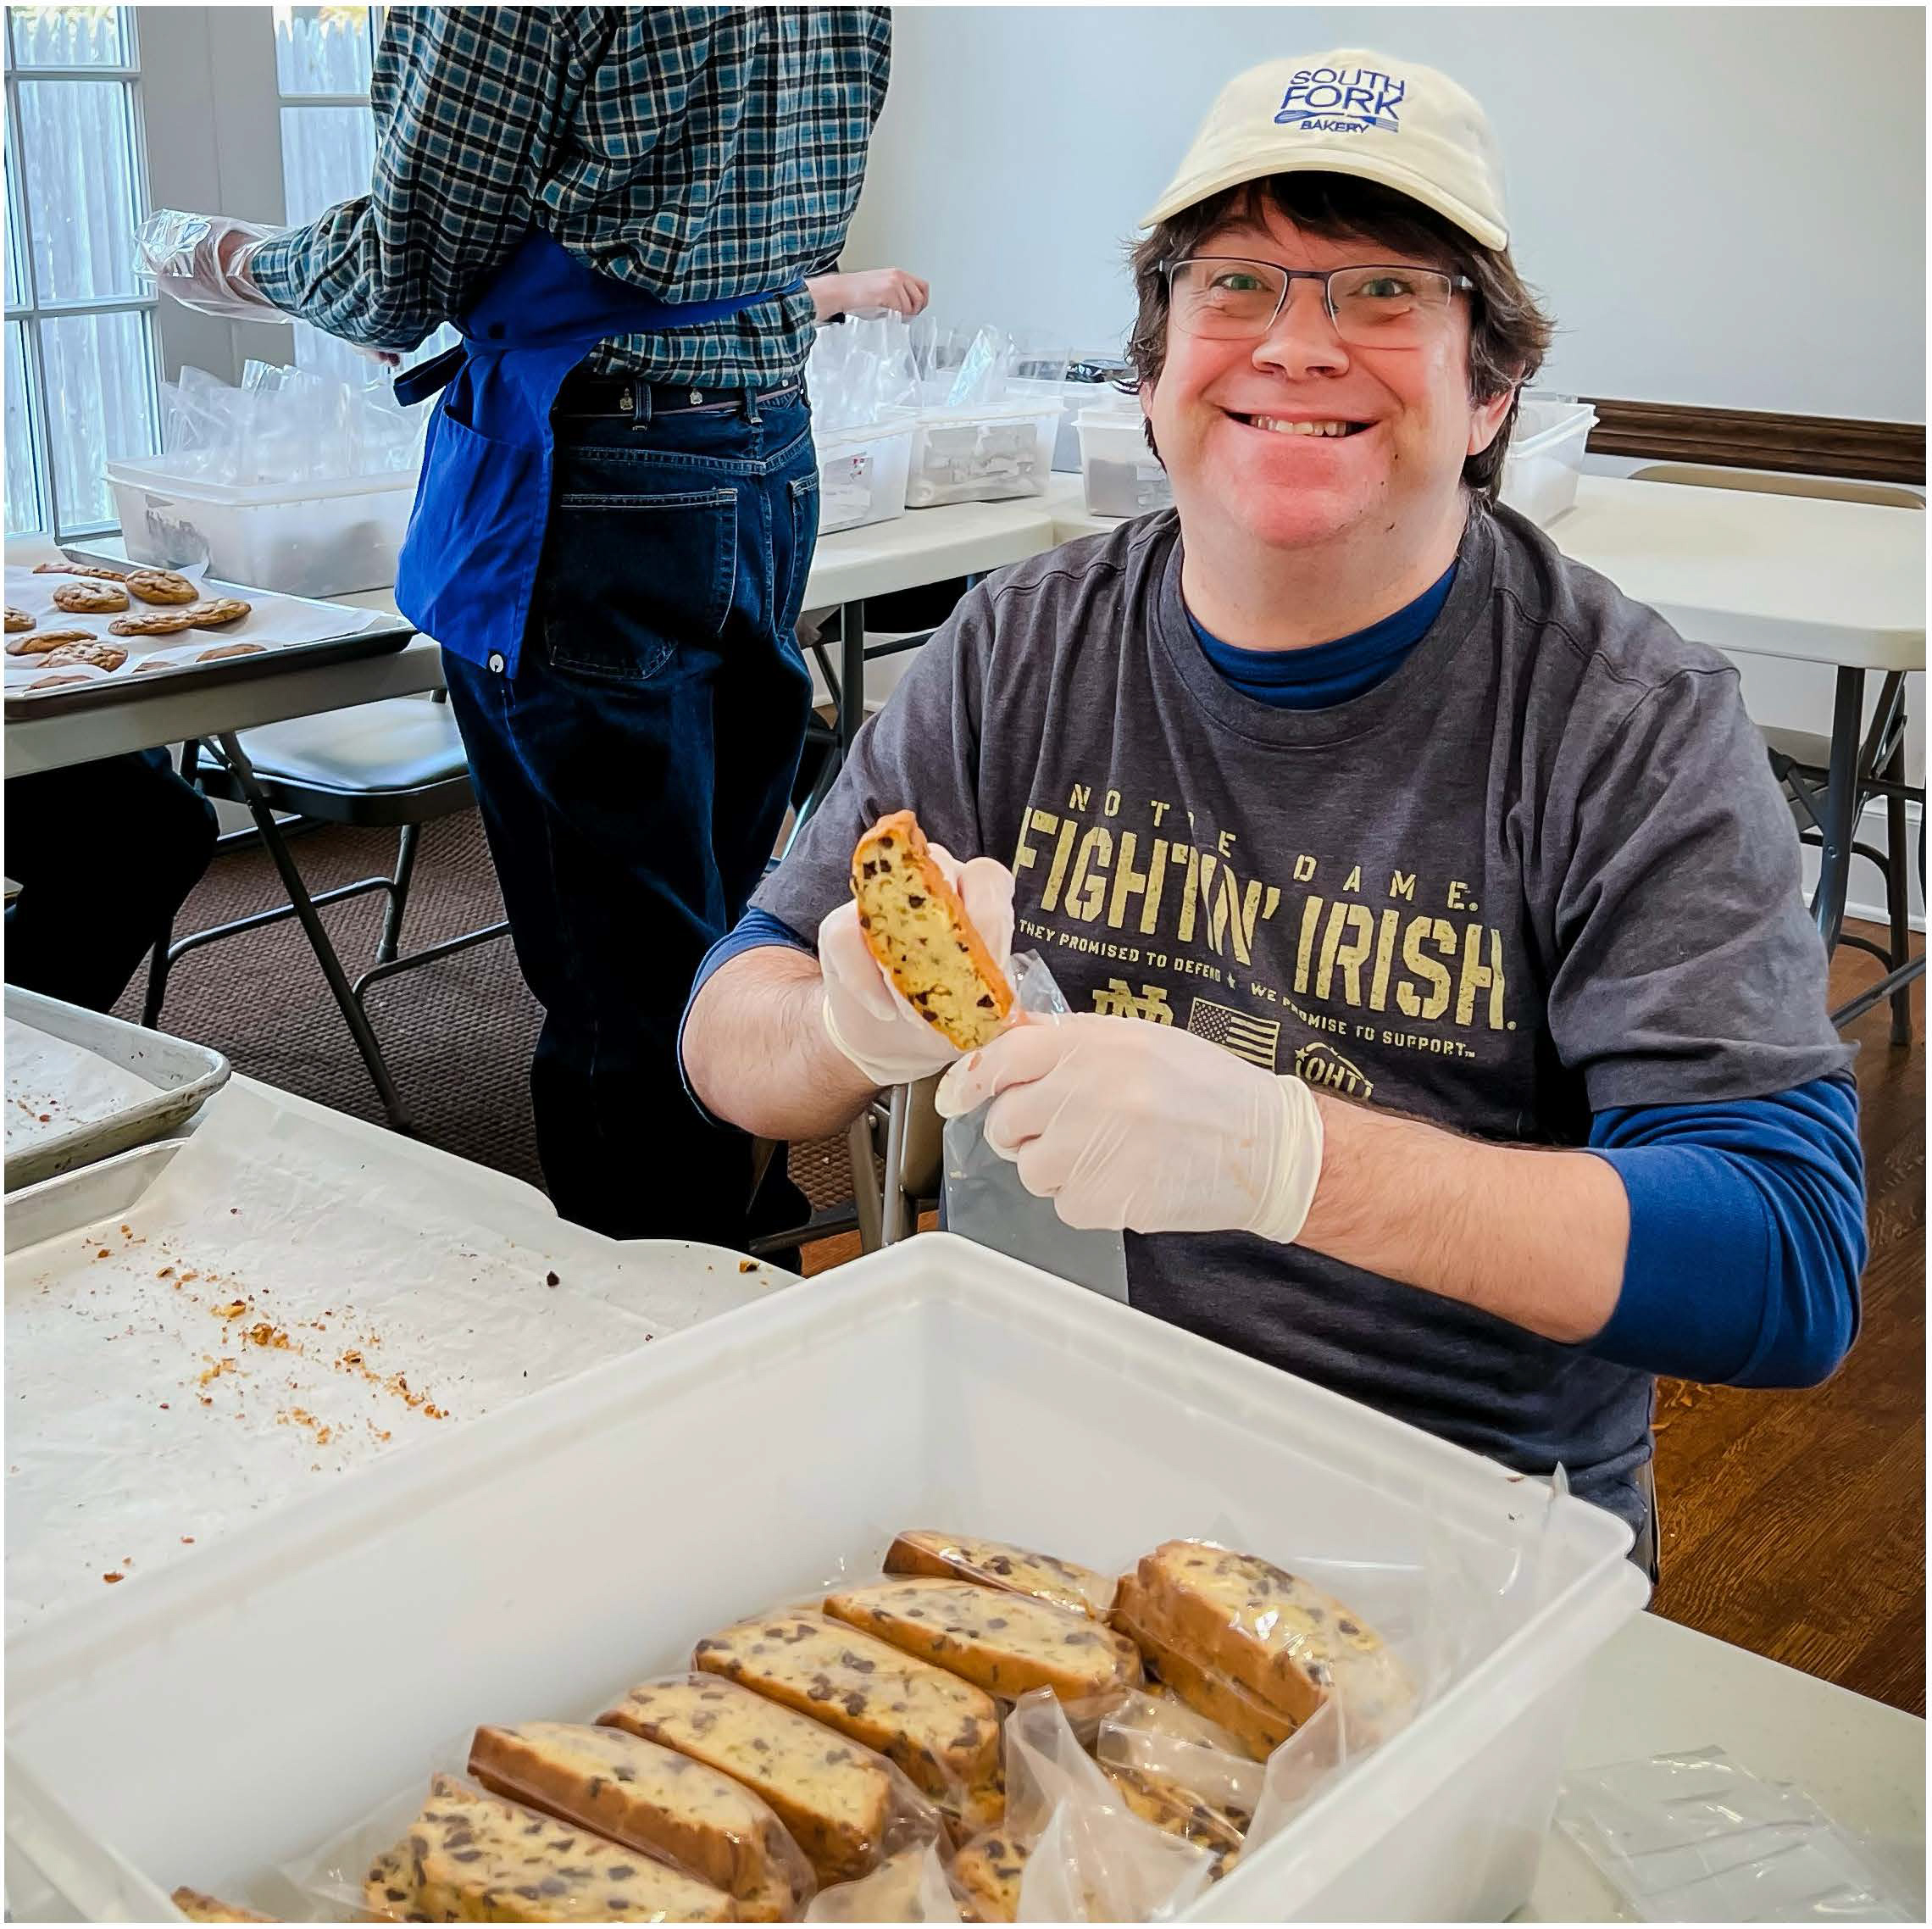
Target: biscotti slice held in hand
1004, 1643
837, 1799
1286, 1641
942, 1731
917, 928
651, 1797
995, 1563
470, 1858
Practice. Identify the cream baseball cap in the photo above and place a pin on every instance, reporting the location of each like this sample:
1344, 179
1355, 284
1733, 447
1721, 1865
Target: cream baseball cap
1356, 113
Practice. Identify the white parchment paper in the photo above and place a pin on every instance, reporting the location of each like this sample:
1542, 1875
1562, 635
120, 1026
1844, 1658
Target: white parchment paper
291, 1298
273, 620
52, 1085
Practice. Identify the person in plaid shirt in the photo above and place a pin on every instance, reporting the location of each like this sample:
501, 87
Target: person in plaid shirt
632, 215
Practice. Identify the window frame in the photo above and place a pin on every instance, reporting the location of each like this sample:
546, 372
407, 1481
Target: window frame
32, 313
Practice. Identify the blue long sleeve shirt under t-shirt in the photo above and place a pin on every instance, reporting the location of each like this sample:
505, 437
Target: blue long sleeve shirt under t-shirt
1748, 1217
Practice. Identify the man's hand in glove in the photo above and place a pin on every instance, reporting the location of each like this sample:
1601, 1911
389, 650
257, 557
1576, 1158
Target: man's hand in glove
1125, 1124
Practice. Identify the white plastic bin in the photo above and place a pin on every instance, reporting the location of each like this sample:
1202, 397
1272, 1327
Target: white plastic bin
1545, 457
862, 474
302, 538
1119, 469
988, 454
206, 1723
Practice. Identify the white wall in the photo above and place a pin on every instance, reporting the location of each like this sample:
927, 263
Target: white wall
1723, 205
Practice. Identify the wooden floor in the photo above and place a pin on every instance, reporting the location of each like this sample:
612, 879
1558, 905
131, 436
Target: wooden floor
1793, 1524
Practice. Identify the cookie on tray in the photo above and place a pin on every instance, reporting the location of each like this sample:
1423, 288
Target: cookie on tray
17, 621
90, 598
150, 623
37, 643
60, 678
222, 650
163, 585
216, 611
101, 656
82, 569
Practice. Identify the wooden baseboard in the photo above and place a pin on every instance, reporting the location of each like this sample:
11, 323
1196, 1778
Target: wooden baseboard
1741, 438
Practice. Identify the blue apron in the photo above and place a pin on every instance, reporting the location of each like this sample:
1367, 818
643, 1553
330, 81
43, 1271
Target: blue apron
469, 562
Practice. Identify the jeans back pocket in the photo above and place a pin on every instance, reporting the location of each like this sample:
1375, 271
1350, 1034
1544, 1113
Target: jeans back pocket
629, 577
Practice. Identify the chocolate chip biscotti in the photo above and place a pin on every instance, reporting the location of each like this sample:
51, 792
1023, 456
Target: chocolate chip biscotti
995, 1563
1284, 1641
1259, 1728
199, 1908
942, 1732
470, 1858
1004, 1643
835, 1799
647, 1796
917, 928
987, 1875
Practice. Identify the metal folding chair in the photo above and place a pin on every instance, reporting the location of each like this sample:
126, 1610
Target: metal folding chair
396, 764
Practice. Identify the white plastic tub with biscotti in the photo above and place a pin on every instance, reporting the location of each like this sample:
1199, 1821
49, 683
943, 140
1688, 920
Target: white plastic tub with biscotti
223, 1717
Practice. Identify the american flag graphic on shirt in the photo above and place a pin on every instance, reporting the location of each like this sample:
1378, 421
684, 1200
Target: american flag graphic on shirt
1255, 1039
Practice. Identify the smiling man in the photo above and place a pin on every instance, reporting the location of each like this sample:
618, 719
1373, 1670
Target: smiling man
1450, 1028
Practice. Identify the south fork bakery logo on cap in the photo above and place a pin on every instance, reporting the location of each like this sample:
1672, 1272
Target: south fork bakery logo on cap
1342, 100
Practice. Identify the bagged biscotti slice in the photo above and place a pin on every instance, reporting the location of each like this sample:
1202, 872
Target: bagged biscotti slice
917, 929
943, 1732
1258, 1728
843, 1805
995, 1563
199, 1908
1004, 1643
987, 1875
1174, 1811
470, 1858
1286, 1641
650, 1798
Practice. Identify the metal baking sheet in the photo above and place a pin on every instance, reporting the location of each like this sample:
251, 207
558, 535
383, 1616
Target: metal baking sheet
348, 633
202, 1331
180, 1076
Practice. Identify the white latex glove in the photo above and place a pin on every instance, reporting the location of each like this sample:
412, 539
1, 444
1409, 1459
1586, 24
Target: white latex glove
1125, 1123
865, 1015
201, 260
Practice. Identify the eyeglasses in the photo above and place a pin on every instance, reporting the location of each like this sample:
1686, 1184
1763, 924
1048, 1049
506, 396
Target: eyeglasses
1381, 305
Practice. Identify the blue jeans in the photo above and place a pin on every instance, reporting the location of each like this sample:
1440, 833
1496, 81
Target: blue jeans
633, 776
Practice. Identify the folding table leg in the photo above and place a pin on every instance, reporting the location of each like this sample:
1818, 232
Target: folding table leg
158, 961
352, 1014
1840, 797
1898, 891
852, 675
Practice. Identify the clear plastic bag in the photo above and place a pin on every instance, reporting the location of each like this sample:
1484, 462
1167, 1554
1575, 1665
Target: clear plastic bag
861, 373
999, 1564
910, 1886
985, 1200
285, 426
1697, 1837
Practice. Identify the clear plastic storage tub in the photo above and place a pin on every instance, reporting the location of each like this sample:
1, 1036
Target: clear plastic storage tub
862, 474
208, 1722
1121, 475
302, 538
987, 455
1545, 457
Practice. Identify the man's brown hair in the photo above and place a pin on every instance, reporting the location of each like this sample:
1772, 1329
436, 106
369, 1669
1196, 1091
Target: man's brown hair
1509, 334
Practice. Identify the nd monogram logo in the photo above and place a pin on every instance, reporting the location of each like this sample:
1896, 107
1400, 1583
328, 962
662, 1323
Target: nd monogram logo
1320, 1064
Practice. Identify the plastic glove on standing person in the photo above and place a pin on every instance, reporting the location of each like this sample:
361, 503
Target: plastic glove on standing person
1135, 1126
865, 1015
201, 260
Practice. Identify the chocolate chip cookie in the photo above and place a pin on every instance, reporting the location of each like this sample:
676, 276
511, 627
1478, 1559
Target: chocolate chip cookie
150, 623
163, 585
17, 621
216, 611
91, 599
101, 656
38, 641
222, 650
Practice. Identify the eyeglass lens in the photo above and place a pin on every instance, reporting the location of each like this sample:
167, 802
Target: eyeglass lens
1388, 306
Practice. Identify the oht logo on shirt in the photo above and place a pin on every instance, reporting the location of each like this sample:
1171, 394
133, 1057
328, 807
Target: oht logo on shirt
1337, 100
1319, 1063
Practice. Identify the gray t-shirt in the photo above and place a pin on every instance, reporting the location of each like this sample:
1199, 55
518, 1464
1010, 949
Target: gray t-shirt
1541, 871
